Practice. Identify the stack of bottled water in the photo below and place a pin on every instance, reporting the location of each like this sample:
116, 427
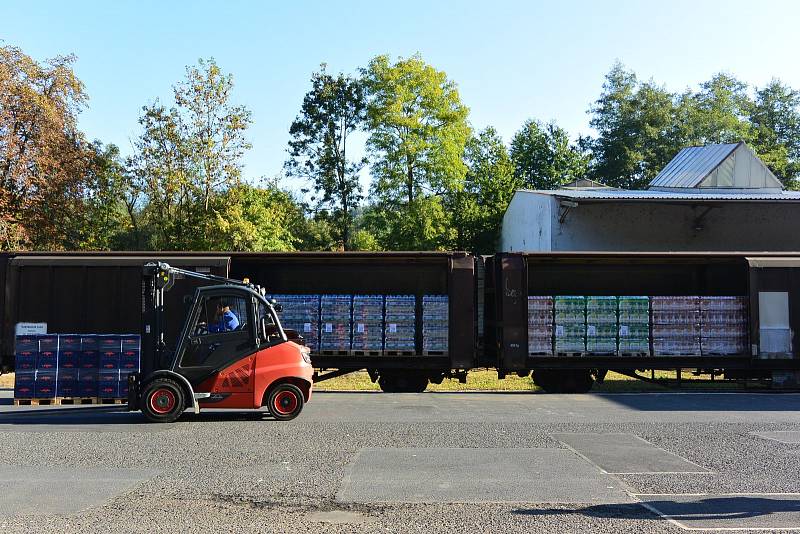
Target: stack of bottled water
367, 332
723, 325
301, 313
540, 325
335, 315
400, 323
570, 323
601, 325
676, 325
435, 323
634, 324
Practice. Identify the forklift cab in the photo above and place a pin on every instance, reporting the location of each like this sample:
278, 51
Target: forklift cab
224, 324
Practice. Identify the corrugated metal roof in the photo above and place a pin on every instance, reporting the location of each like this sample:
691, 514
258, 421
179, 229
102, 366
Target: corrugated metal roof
692, 165
610, 195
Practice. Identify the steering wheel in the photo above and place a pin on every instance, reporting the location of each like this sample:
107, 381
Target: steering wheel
201, 329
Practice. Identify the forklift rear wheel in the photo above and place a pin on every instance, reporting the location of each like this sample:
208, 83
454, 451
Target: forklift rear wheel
285, 402
163, 401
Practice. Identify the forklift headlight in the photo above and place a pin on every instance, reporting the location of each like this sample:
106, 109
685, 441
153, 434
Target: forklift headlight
306, 354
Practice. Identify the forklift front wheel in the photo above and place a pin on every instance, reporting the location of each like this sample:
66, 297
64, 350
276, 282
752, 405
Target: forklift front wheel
285, 402
162, 401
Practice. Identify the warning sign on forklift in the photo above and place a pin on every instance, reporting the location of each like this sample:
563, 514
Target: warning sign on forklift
30, 329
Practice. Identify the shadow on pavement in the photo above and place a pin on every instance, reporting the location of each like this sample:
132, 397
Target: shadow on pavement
699, 509
707, 402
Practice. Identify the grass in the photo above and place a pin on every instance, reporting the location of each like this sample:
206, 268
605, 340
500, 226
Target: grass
7, 380
486, 380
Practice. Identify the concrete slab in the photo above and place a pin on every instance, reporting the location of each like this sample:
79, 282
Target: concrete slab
476, 475
622, 454
734, 511
790, 437
61, 490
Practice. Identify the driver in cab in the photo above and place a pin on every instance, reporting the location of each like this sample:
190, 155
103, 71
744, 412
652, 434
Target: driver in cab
224, 319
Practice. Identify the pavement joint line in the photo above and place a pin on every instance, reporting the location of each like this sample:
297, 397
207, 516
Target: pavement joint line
704, 472
677, 523
761, 436
581, 455
705, 469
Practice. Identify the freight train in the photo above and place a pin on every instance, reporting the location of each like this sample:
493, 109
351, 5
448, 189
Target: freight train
410, 318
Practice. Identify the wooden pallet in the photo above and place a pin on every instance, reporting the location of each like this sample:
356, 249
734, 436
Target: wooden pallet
67, 401
434, 353
75, 400
398, 353
540, 353
571, 354
366, 352
328, 352
111, 401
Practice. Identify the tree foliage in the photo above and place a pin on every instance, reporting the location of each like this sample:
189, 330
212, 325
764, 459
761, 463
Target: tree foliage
477, 210
187, 156
43, 155
417, 133
331, 112
641, 126
544, 157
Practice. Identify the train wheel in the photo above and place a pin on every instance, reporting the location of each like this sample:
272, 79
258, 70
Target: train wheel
563, 381
399, 382
163, 401
285, 402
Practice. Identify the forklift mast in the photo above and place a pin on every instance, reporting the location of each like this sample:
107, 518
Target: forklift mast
157, 279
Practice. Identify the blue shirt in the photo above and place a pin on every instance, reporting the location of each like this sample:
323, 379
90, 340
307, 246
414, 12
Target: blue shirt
226, 323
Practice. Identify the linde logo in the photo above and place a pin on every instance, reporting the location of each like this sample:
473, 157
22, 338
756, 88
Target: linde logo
511, 293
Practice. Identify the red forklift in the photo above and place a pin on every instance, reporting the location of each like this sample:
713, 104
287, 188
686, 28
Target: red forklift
231, 352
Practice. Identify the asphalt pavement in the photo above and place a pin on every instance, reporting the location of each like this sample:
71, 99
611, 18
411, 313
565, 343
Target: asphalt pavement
431, 462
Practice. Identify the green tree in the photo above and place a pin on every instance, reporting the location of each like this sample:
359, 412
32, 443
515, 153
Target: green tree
110, 212
719, 112
332, 110
164, 172
639, 129
187, 155
544, 157
417, 132
477, 210
213, 127
249, 218
775, 122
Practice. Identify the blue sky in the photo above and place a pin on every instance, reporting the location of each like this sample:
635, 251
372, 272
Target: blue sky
511, 60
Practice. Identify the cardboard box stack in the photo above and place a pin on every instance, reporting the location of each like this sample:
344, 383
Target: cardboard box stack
46, 367
676, 325
601, 325
335, 317
723, 325
26, 352
69, 352
75, 365
367, 332
435, 324
301, 314
400, 323
570, 324
88, 366
540, 325
634, 325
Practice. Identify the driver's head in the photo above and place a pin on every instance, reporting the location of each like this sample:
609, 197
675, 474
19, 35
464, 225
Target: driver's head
222, 305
